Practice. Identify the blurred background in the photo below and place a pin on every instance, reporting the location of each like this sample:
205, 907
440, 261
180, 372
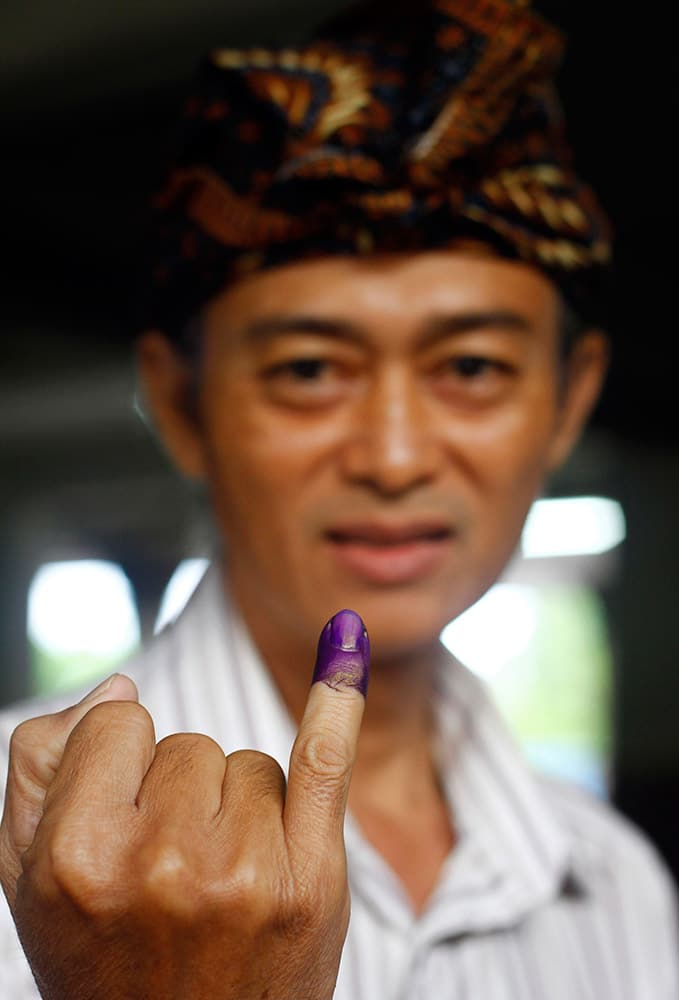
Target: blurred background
100, 543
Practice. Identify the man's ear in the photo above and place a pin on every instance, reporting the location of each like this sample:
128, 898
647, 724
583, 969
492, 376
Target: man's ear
584, 372
168, 385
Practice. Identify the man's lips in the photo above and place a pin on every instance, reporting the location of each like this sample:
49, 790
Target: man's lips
389, 552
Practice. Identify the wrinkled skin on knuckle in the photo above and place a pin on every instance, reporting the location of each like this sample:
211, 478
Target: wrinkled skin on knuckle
183, 750
48, 870
251, 767
322, 893
325, 758
128, 722
254, 793
167, 881
248, 896
257, 890
120, 717
32, 756
300, 917
8, 867
289, 914
195, 883
274, 918
72, 865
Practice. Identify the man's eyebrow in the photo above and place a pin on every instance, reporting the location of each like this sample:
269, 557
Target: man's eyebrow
433, 328
272, 326
468, 322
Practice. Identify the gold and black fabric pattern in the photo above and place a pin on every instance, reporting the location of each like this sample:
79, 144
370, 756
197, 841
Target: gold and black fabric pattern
392, 130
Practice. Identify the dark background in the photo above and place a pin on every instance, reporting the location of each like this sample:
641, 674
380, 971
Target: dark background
88, 99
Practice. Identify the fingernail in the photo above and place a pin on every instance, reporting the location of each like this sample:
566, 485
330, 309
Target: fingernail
99, 689
343, 658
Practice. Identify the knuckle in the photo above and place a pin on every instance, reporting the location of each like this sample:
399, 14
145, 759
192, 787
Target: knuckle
30, 749
172, 887
25, 736
122, 716
253, 762
66, 865
168, 879
252, 899
247, 889
176, 885
325, 755
190, 743
259, 774
184, 751
297, 913
319, 888
312, 905
29, 767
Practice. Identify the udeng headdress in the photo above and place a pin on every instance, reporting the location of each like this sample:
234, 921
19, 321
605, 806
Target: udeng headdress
391, 131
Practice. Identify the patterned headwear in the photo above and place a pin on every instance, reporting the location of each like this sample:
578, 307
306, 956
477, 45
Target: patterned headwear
392, 130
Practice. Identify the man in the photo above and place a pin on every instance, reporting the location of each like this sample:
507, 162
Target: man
371, 255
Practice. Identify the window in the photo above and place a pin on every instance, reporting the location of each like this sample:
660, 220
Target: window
540, 639
82, 623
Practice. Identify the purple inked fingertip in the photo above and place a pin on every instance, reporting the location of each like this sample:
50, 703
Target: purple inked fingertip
343, 659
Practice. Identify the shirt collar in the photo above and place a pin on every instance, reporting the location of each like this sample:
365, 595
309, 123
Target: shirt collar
522, 856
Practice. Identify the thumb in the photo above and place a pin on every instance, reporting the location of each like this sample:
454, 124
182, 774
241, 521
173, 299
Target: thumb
323, 755
36, 749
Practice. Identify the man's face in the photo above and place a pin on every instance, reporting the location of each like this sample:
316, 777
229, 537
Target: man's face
373, 433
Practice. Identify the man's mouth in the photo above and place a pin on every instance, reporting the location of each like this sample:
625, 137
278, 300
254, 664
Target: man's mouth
387, 552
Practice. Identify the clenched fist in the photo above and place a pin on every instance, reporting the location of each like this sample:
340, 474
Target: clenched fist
136, 870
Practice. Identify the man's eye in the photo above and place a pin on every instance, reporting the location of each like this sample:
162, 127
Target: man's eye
302, 369
306, 381
471, 365
474, 378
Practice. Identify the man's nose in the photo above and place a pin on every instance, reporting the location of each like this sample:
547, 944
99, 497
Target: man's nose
392, 446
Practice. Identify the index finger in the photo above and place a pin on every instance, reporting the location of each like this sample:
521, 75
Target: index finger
104, 761
323, 755
36, 752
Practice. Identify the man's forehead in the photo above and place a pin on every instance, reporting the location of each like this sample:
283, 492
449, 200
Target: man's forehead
436, 289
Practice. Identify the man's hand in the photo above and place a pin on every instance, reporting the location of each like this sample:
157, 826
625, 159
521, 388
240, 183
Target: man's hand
136, 870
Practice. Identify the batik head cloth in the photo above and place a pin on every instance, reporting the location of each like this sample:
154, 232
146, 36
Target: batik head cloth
391, 131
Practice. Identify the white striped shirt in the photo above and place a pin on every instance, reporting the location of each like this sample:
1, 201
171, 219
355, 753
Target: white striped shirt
547, 895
